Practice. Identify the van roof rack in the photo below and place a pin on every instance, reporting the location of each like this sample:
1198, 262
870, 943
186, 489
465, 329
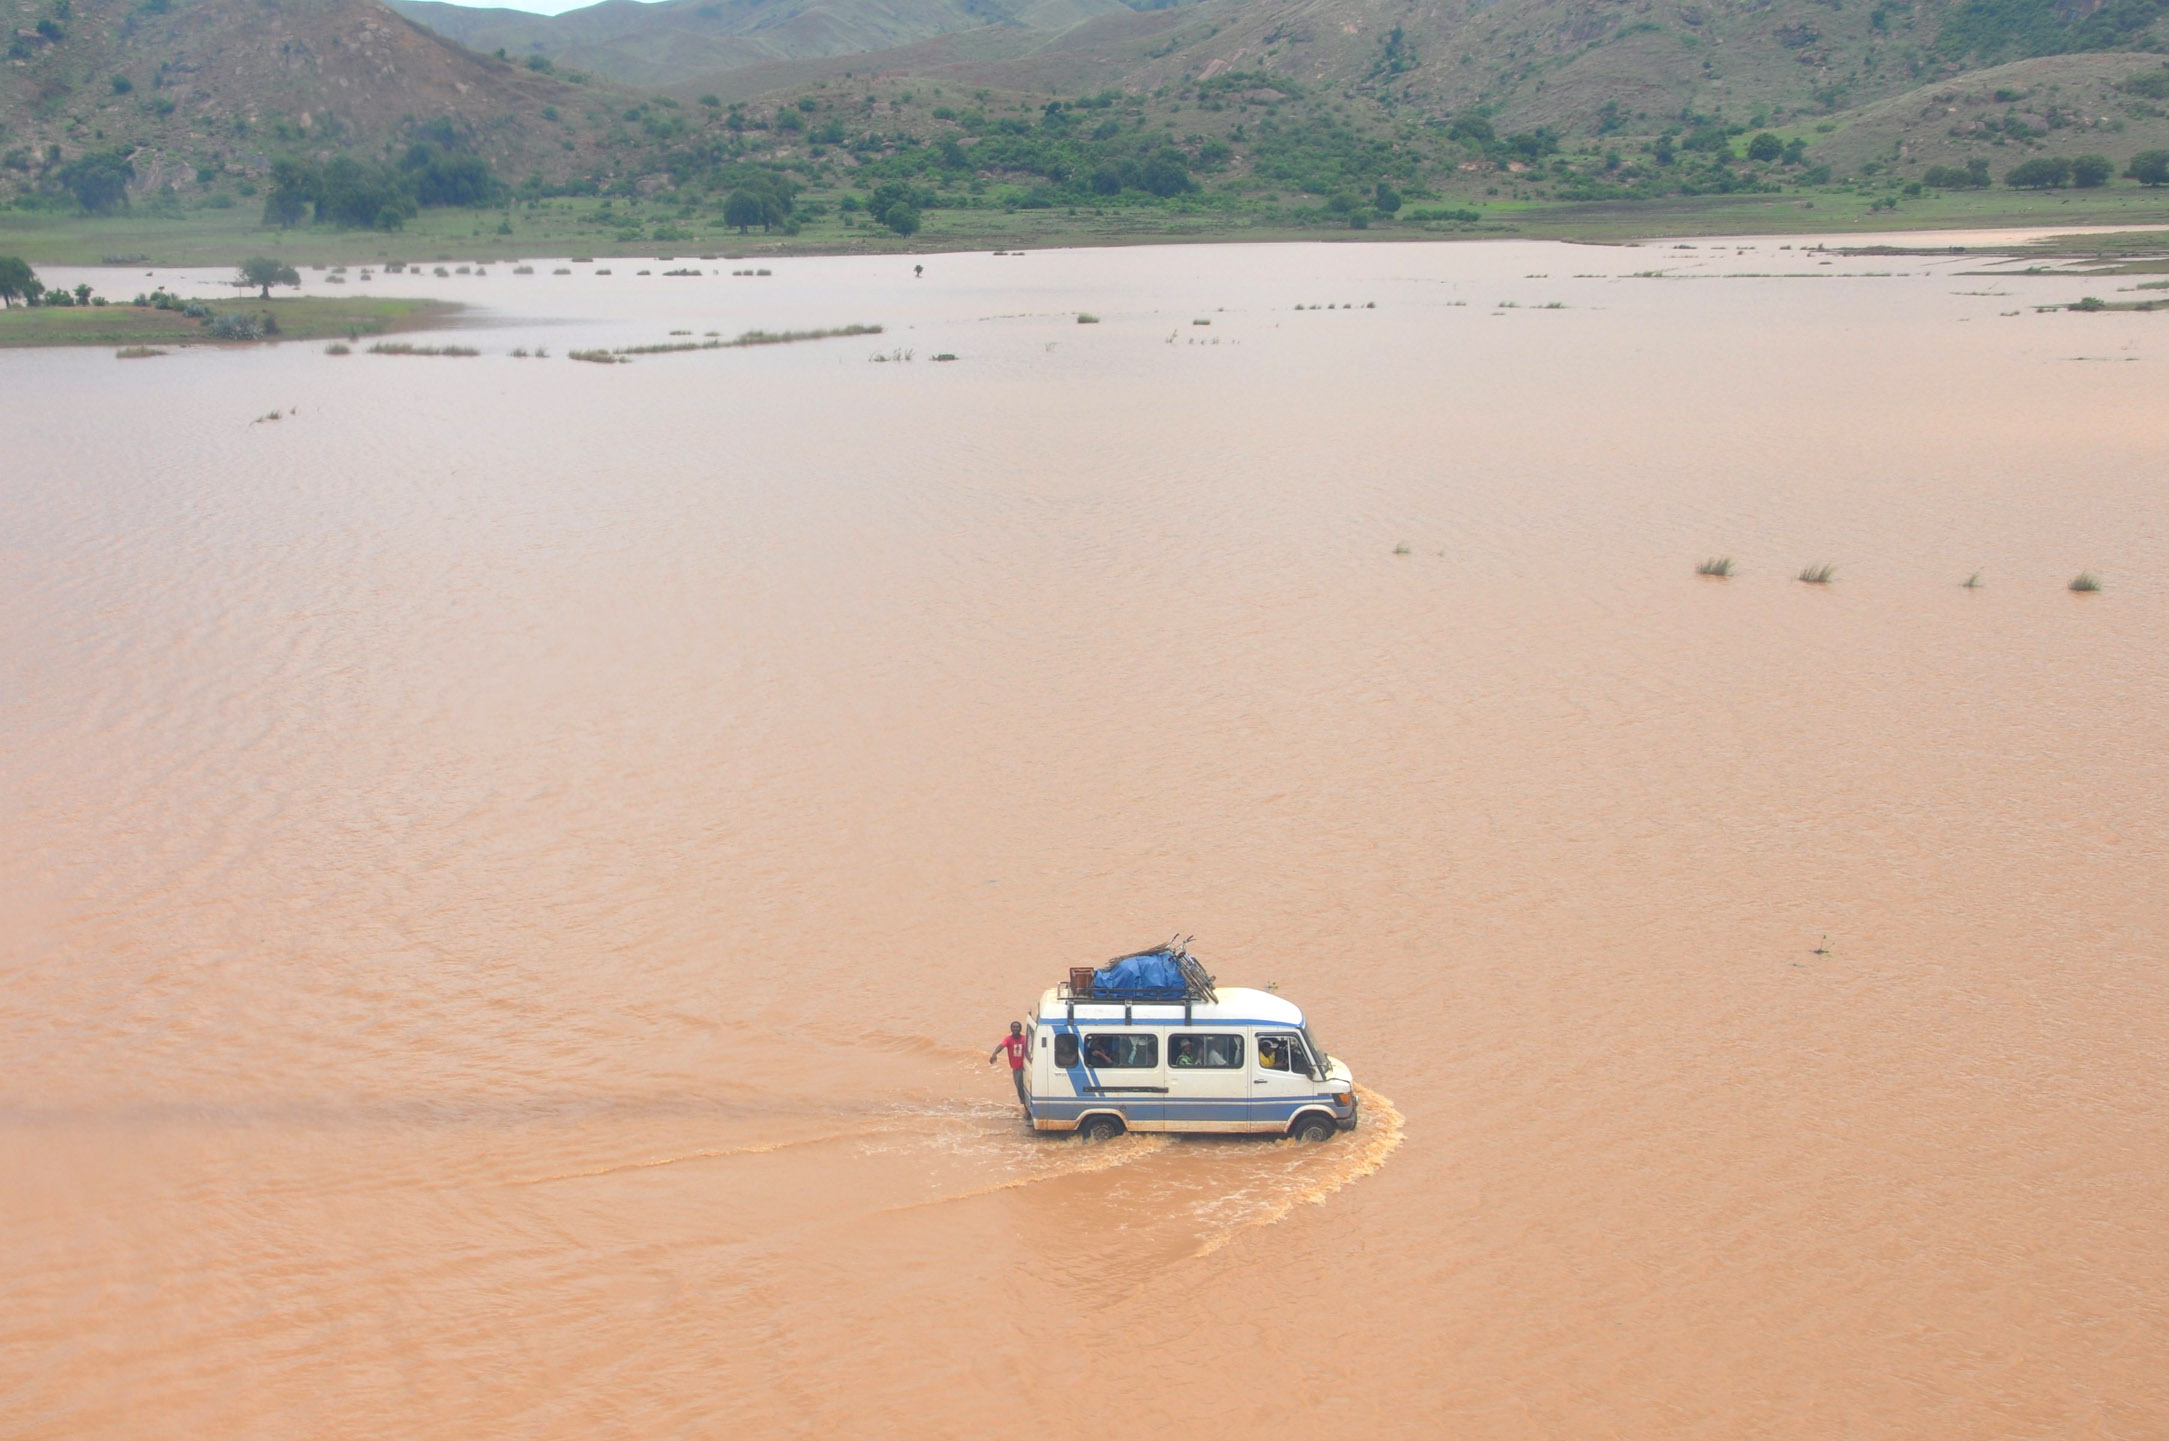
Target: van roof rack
1164, 975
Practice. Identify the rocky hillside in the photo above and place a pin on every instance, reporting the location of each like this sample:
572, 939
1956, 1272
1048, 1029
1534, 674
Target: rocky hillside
2052, 106
206, 93
1280, 107
670, 41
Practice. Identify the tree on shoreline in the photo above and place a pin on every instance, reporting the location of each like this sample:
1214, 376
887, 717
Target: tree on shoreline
261, 272
18, 281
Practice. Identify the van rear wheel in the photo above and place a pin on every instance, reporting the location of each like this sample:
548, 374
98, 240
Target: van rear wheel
1101, 1128
1312, 1129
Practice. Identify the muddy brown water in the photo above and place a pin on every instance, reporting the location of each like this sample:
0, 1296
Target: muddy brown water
509, 872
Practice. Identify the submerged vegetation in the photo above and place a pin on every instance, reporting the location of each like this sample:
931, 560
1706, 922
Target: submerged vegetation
1818, 574
618, 355
2086, 582
1718, 566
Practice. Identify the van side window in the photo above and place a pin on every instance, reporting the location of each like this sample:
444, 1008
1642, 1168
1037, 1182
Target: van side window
1283, 1053
1065, 1049
1122, 1052
1205, 1053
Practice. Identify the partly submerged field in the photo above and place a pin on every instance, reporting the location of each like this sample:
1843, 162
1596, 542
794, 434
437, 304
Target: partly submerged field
307, 317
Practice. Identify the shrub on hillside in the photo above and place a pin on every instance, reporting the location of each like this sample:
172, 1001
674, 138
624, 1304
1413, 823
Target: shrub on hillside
2044, 173
2149, 167
2089, 171
1973, 175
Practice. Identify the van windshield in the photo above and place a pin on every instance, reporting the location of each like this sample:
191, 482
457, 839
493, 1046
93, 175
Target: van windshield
1319, 1057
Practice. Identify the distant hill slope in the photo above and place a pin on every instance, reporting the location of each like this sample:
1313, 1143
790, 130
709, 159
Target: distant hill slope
2062, 105
212, 89
671, 40
1577, 67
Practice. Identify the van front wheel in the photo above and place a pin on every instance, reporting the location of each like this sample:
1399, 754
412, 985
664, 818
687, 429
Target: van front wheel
1312, 1129
1101, 1128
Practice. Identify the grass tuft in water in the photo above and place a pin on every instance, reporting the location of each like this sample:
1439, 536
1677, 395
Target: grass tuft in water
1971, 582
338, 347
1401, 549
1818, 574
401, 347
137, 352
2086, 583
1720, 566
1086, 317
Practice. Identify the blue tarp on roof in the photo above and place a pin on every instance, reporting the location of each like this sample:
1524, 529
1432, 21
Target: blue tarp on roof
1149, 973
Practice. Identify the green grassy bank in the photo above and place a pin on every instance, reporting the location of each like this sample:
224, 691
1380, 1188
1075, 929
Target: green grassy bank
565, 227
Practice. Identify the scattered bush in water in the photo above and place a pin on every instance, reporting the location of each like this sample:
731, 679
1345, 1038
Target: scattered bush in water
401, 347
598, 357
1818, 574
1086, 317
945, 355
787, 337
749, 338
2086, 583
1718, 566
137, 352
338, 347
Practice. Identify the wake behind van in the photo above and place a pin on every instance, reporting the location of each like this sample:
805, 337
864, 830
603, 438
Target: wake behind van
1148, 1042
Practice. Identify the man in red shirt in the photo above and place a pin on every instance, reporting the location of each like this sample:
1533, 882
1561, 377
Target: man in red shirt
1016, 1045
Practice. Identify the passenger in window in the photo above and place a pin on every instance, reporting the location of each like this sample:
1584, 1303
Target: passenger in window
1098, 1051
1219, 1053
1273, 1053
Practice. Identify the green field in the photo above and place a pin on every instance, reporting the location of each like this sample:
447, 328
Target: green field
299, 318
562, 227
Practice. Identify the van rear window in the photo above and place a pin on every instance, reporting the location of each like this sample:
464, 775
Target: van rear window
1205, 1053
1122, 1052
1065, 1050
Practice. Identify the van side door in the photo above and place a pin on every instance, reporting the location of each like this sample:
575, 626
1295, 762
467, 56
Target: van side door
1123, 1068
1208, 1080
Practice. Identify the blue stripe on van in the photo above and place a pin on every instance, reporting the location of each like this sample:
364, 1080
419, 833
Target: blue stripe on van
1064, 1108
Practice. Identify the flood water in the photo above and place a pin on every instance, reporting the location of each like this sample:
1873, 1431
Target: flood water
510, 871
